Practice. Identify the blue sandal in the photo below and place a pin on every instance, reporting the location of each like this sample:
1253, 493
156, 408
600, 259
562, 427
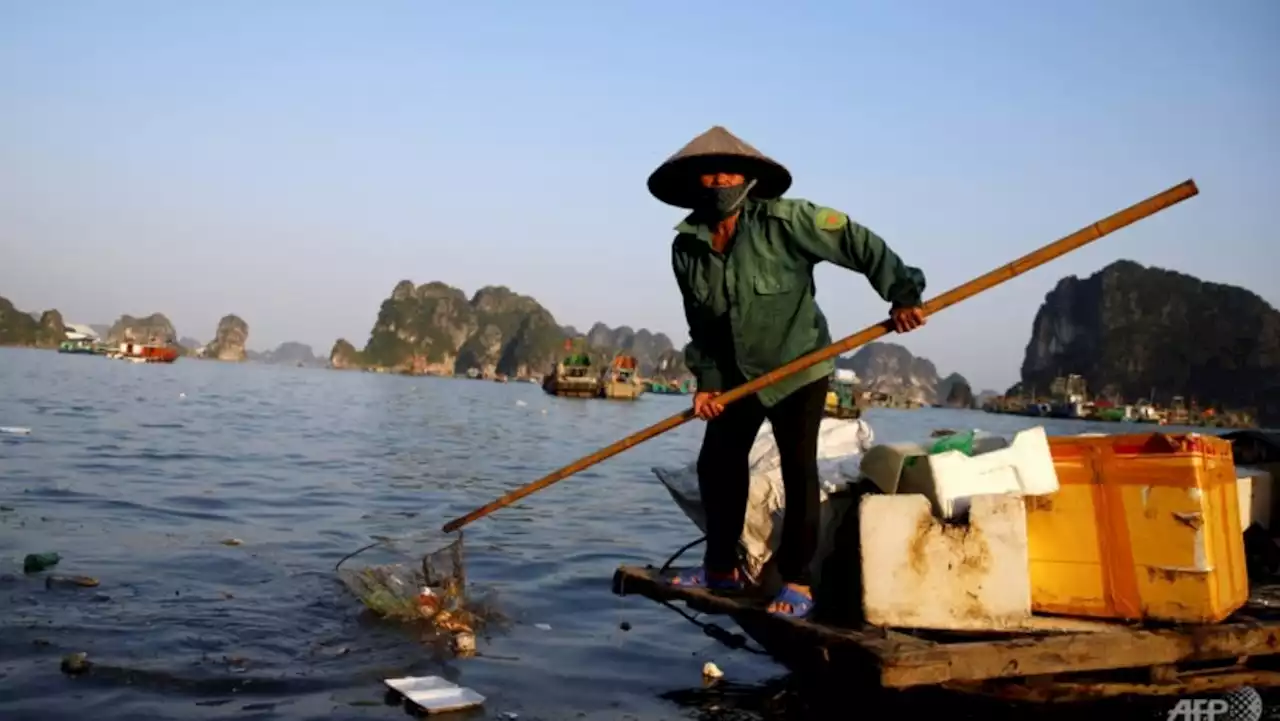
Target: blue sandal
697, 578
801, 604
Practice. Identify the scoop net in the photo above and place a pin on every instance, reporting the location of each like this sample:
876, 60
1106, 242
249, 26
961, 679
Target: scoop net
412, 579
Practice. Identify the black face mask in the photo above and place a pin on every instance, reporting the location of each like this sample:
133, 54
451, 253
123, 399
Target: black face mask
720, 203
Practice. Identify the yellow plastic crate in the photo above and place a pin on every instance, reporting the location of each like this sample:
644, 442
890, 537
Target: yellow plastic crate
1143, 526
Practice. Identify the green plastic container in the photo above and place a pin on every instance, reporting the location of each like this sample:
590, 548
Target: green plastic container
962, 442
37, 562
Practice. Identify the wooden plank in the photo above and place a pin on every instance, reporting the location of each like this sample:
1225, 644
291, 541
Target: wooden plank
1069, 653
1066, 691
877, 644
1036, 625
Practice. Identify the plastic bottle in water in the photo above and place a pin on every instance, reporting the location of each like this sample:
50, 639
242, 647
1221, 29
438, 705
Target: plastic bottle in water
428, 602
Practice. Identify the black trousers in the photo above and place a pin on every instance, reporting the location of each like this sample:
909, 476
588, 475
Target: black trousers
724, 478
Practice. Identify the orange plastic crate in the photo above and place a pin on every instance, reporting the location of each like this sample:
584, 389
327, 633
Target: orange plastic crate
1143, 526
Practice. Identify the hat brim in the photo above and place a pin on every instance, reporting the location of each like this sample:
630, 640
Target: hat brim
676, 182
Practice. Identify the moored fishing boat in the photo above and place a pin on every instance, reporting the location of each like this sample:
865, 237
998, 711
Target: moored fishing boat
619, 381
845, 398
80, 346
1145, 412
80, 340
669, 387
573, 377
1111, 414
1037, 410
1068, 409
153, 352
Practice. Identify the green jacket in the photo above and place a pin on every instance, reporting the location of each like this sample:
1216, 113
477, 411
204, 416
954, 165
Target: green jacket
765, 285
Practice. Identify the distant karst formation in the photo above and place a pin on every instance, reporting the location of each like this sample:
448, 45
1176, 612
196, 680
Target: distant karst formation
228, 340
1131, 330
47, 330
153, 328
229, 344
19, 328
435, 328
958, 393
288, 353
891, 369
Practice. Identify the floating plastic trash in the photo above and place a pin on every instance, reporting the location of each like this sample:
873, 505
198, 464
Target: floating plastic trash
464, 643
37, 562
80, 581
434, 694
74, 664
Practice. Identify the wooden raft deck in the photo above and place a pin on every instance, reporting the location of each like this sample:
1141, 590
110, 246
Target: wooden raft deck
1049, 658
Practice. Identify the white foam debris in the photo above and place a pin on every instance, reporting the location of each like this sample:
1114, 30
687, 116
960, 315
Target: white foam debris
434, 694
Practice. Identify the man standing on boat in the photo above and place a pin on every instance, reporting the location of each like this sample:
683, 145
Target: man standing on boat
744, 262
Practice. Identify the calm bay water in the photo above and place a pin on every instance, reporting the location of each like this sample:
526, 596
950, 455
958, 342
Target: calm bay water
136, 473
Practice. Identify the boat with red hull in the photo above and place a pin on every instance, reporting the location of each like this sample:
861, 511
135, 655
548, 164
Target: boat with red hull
145, 352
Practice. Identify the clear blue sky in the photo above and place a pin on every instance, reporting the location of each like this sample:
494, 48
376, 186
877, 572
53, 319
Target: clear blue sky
291, 161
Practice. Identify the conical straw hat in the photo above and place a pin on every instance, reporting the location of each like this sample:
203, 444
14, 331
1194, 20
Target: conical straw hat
675, 182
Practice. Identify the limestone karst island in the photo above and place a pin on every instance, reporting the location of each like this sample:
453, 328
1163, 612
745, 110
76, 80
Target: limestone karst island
1128, 344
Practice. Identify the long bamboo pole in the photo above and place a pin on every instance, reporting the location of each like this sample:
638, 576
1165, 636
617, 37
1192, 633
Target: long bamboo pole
1058, 248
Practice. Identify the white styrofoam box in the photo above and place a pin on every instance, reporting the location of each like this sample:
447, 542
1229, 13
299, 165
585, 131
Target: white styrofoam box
434, 694
883, 463
920, 572
1255, 488
948, 479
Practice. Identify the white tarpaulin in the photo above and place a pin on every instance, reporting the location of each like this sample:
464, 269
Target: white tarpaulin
840, 445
